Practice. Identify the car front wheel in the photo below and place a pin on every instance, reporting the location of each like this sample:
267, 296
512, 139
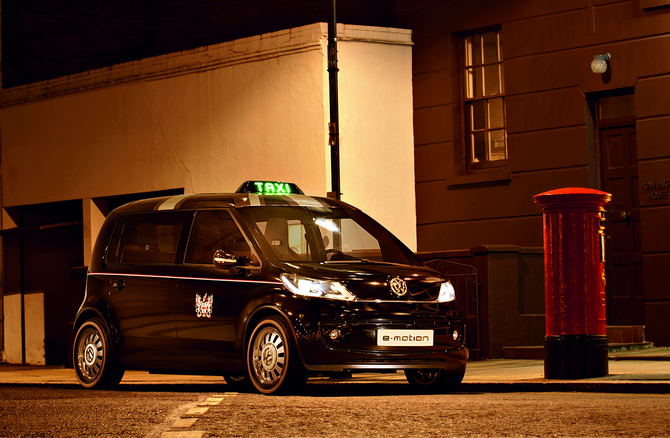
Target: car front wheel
93, 362
272, 360
435, 380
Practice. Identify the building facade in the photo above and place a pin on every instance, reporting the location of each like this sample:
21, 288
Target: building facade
519, 97
197, 121
503, 100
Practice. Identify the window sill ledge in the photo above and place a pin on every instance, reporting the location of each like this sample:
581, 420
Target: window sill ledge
484, 178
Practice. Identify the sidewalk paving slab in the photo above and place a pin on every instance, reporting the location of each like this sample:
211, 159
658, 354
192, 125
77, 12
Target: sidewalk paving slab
643, 371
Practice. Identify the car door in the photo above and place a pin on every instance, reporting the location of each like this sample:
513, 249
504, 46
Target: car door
142, 293
211, 301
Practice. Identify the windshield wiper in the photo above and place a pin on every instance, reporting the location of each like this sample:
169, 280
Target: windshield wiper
345, 261
365, 261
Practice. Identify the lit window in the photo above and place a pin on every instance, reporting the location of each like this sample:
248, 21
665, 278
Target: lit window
485, 99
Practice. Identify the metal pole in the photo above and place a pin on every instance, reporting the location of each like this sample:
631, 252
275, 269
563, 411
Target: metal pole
333, 126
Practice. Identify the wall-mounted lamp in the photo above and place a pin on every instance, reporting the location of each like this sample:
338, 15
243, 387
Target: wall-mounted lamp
599, 63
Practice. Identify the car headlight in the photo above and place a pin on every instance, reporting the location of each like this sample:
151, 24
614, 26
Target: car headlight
310, 287
447, 292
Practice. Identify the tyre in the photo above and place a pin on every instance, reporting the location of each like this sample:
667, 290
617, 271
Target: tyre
93, 362
435, 380
237, 382
272, 360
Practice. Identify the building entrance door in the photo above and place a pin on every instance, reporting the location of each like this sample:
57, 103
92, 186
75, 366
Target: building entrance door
625, 295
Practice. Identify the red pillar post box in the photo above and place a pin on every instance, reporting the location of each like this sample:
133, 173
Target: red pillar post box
575, 345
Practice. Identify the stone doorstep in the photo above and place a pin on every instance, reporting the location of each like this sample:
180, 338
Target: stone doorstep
527, 352
625, 334
618, 347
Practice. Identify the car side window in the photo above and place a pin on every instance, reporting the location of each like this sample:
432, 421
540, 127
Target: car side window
115, 240
213, 230
152, 237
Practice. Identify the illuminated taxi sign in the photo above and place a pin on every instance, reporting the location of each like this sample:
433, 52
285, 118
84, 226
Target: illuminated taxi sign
270, 188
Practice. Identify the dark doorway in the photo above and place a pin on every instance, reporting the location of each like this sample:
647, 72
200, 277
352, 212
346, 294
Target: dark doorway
44, 257
40, 256
625, 295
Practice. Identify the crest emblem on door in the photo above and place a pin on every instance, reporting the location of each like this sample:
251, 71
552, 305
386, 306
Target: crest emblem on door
203, 306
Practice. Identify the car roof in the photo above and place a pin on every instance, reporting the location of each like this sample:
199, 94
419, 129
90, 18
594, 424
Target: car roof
225, 200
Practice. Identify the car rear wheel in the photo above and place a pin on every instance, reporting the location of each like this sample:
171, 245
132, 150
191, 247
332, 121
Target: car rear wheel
435, 380
93, 362
272, 360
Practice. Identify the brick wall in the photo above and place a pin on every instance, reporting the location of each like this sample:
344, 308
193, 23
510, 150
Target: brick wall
42, 39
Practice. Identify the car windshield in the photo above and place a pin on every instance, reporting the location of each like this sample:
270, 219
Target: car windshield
327, 235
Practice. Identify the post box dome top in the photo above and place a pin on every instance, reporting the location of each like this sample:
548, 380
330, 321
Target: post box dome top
573, 197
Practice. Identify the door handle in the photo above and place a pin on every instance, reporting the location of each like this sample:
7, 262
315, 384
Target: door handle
119, 285
626, 215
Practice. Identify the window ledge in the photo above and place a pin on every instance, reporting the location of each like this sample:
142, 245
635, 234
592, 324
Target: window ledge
498, 177
652, 4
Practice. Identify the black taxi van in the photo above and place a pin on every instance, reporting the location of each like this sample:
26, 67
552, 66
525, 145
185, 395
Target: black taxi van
264, 287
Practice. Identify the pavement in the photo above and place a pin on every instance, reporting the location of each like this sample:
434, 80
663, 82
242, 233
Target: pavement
633, 371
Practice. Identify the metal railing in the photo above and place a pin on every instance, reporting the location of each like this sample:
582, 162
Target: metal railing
466, 283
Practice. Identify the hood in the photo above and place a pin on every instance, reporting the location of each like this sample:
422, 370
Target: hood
373, 280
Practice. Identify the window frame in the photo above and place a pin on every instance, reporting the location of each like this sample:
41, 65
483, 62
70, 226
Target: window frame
256, 260
467, 65
113, 250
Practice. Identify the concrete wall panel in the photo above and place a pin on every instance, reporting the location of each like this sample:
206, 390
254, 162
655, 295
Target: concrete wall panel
462, 16
652, 138
432, 89
546, 110
431, 55
630, 60
656, 276
432, 161
547, 149
655, 229
611, 21
652, 96
656, 322
437, 236
433, 125
437, 202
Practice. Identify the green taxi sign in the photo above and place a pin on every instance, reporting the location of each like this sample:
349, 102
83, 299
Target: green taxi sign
270, 188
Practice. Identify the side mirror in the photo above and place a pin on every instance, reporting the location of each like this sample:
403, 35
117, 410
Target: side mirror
224, 259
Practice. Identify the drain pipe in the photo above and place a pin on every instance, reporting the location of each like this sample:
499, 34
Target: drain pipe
333, 126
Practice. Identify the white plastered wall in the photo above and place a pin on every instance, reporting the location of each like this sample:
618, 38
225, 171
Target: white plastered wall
376, 156
207, 119
205, 131
34, 328
13, 341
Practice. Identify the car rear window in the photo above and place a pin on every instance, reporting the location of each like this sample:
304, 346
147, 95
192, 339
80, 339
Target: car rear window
152, 237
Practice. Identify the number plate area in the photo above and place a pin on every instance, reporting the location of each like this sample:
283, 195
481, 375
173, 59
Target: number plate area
404, 338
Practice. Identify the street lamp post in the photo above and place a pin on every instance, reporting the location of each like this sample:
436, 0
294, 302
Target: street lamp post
333, 126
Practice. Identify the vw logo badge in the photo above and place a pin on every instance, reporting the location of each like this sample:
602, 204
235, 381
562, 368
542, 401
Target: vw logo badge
398, 286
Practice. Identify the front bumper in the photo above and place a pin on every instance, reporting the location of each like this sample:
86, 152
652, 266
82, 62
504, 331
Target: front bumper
353, 344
